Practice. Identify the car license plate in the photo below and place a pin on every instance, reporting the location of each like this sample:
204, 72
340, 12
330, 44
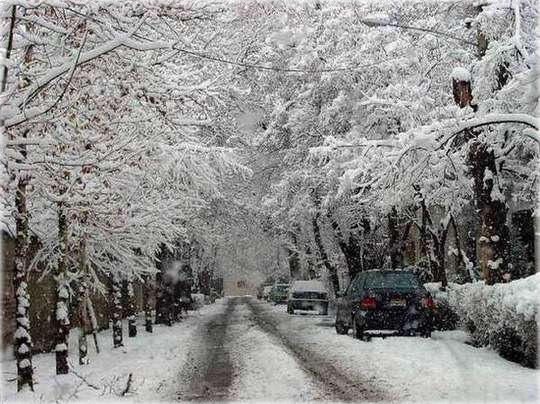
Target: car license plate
398, 302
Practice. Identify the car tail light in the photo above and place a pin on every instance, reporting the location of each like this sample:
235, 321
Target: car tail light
428, 303
368, 303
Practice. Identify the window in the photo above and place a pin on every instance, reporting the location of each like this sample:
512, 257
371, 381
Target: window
381, 280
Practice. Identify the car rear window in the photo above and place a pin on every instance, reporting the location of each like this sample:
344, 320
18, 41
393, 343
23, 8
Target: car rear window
309, 295
379, 280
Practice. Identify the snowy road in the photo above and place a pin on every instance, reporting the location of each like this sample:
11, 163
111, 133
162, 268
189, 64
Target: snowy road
253, 351
208, 365
241, 354
338, 384
241, 349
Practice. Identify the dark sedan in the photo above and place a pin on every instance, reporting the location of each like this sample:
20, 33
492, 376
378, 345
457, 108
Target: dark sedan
385, 300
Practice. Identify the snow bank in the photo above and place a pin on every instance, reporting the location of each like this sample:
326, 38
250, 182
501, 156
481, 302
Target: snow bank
442, 369
503, 316
153, 359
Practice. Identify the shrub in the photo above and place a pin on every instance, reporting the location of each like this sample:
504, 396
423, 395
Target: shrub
503, 316
444, 316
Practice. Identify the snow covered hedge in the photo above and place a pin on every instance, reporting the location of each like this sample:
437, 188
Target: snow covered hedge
503, 316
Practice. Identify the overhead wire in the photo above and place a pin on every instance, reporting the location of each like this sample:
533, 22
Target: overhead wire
279, 69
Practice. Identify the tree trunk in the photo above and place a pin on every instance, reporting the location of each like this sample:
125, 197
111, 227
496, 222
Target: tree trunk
492, 242
492, 235
62, 295
294, 260
9, 48
163, 306
163, 302
394, 241
93, 320
132, 322
82, 300
324, 256
311, 273
437, 260
23, 341
147, 289
403, 243
318, 242
435, 244
204, 281
82, 314
116, 311
351, 249
462, 259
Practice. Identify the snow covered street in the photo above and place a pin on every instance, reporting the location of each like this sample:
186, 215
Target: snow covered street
241, 349
269, 201
411, 369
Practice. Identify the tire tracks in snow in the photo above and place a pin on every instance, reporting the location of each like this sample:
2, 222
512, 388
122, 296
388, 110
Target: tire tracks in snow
325, 373
208, 372
267, 372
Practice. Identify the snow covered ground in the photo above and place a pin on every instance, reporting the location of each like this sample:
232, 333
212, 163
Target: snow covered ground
154, 360
260, 344
267, 372
415, 369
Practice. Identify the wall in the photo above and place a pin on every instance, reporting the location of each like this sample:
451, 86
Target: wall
41, 290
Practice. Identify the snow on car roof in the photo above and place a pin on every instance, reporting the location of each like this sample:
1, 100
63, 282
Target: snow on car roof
308, 286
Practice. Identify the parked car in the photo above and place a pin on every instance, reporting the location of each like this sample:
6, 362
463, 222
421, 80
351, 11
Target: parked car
307, 295
278, 293
266, 292
385, 300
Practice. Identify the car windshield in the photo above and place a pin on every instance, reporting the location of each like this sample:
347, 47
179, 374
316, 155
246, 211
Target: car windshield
379, 280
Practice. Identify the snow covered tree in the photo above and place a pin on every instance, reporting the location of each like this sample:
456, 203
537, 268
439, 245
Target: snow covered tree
131, 311
81, 138
116, 310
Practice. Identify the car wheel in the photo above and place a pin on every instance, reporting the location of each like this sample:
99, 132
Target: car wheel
341, 328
